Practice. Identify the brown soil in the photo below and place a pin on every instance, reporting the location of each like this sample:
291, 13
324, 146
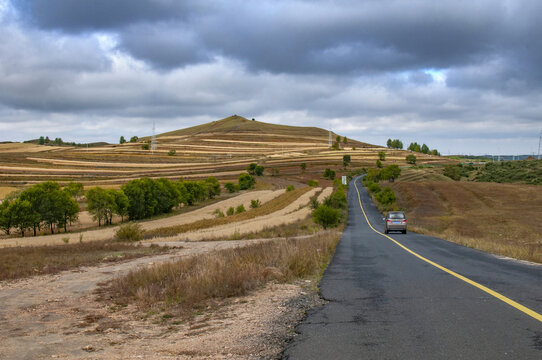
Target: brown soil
61, 316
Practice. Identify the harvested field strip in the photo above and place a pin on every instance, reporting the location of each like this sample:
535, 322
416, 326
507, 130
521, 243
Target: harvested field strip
189, 284
19, 262
112, 164
297, 210
272, 206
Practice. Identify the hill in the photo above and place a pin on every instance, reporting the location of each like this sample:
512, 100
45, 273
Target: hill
222, 148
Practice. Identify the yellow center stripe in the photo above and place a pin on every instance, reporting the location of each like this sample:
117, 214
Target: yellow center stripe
510, 302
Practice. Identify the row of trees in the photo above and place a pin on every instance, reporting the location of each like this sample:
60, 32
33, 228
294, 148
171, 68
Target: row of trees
422, 149
394, 144
133, 139
42, 205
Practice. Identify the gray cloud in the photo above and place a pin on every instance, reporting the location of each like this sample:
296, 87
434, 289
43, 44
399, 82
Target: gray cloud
414, 70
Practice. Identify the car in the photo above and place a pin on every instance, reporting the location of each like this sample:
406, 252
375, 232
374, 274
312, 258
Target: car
396, 221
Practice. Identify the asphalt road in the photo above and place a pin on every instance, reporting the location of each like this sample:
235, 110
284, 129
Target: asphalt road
386, 303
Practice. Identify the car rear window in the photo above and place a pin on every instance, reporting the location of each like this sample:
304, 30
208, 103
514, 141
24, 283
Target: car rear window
397, 216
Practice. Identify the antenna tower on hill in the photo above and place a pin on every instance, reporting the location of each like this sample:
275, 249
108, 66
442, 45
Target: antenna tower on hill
153, 139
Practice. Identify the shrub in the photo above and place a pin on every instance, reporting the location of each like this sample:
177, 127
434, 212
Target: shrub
452, 171
290, 188
314, 203
346, 160
337, 200
129, 232
373, 187
145, 147
246, 181
218, 213
230, 211
240, 209
312, 183
255, 203
231, 187
378, 163
326, 216
382, 155
172, 152
411, 159
386, 196
329, 174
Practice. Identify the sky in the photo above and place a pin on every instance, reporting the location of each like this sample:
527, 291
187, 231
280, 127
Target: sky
462, 76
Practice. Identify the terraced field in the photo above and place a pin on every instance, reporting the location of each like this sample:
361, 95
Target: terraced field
221, 148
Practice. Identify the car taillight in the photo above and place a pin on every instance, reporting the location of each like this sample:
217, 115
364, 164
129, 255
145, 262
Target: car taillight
389, 220
404, 221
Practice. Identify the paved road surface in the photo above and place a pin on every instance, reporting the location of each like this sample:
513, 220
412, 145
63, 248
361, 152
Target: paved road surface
385, 303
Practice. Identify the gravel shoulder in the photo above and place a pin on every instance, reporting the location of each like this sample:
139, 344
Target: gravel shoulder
59, 316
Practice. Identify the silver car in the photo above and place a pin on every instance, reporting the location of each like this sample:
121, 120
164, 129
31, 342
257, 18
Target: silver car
396, 221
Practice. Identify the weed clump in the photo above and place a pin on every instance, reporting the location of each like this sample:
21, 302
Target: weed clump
129, 232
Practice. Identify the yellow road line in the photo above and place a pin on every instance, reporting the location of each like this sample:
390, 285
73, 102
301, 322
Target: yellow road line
510, 302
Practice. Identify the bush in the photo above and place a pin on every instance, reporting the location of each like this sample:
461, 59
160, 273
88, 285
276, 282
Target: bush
255, 203
240, 209
453, 172
129, 232
373, 187
218, 213
378, 163
386, 196
326, 216
231, 187
382, 155
411, 159
145, 147
312, 183
230, 211
246, 181
314, 203
329, 174
337, 200
172, 152
290, 188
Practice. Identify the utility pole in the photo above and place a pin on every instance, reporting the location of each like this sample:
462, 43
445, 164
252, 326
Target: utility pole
539, 141
153, 139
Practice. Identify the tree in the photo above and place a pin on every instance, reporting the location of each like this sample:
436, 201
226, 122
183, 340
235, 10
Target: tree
338, 139
425, 149
145, 147
259, 170
246, 181
453, 172
121, 204
6, 218
75, 189
386, 196
382, 155
303, 166
231, 187
213, 187
389, 143
100, 204
326, 216
346, 160
378, 163
172, 152
396, 144
41, 141
345, 140
390, 173
411, 159
48, 197
22, 215
134, 139
122, 140
69, 210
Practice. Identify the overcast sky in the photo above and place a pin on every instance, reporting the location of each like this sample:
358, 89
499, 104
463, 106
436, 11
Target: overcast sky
461, 76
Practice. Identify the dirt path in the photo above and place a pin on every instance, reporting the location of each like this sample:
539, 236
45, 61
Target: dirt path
58, 316
108, 233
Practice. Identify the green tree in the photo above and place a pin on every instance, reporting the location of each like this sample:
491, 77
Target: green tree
213, 187
22, 215
326, 216
6, 217
69, 209
411, 159
48, 197
246, 181
122, 140
75, 189
425, 149
346, 160
389, 143
172, 152
303, 167
41, 141
386, 196
378, 163
134, 139
100, 204
453, 172
381, 155
338, 139
231, 187
345, 140
121, 204
145, 147
396, 144
390, 173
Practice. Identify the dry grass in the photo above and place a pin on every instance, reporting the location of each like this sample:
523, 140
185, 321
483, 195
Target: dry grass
20, 262
189, 284
268, 208
6, 190
498, 218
